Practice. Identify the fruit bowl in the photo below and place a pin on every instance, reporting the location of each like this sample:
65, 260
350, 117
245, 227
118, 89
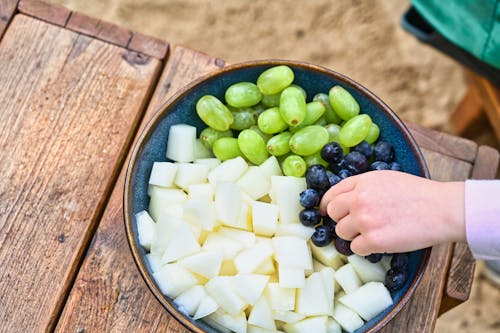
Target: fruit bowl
180, 109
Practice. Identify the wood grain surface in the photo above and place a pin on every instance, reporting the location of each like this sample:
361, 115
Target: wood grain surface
49, 12
7, 10
490, 95
69, 103
109, 288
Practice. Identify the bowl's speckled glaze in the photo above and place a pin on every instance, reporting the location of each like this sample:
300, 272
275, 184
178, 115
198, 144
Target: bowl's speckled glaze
180, 108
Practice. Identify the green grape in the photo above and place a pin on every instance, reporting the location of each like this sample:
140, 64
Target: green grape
343, 103
314, 111
321, 121
252, 146
302, 90
263, 135
270, 121
244, 118
226, 148
292, 106
294, 165
279, 144
330, 115
209, 135
259, 108
355, 130
270, 101
243, 94
308, 140
315, 159
214, 113
275, 79
333, 132
373, 134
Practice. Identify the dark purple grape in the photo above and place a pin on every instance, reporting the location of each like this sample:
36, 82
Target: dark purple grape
343, 246
395, 279
364, 148
374, 257
400, 261
333, 179
379, 165
310, 217
309, 198
356, 162
330, 224
395, 166
344, 173
317, 178
322, 236
332, 152
336, 167
383, 151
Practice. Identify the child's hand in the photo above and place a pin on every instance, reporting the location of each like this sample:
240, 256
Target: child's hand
389, 211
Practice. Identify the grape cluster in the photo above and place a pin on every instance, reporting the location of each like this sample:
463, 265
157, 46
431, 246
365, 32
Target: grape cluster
362, 158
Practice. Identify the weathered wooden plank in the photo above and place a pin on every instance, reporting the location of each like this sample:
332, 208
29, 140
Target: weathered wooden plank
124, 303
49, 12
151, 46
7, 10
486, 163
69, 104
443, 143
468, 111
490, 96
99, 29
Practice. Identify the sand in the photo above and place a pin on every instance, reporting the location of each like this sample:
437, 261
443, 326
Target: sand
361, 39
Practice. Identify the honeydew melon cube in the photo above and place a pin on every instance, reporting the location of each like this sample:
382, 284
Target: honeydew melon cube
281, 299
173, 279
292, 252
163, 174
200, 151
328, 275
215, 325
182, 244
228, 171
286, 193
161, 198
189, 300
287, 316
254, 183
368, 300
261, 315
235, 323
200, 212
154, 262
180, 144
247, 238
228, 204
367, 271
332, 326
189, 174
346, 318
327, 255
266, 267
221, 290
250, 287
166, 228
347, 278
228, 268
294, 229
146, 229
204, 263
386, 262
264, 218
271, 167
313, 324
291, 277
207, 306
211, 162
312, 300
248, 260
217, 241
257, 329
201, 191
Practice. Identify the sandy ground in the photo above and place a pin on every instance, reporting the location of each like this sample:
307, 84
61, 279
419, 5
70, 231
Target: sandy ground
362, 39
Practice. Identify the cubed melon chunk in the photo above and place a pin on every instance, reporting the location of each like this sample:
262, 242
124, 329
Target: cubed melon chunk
248, 260
163, 174
166, 227
294, 229
327, 255
246, 238
181, 141
228, 171
291, 277
313, 324
201, 190
173, 279
285, 191
347, 278
328, 275
254, 183
368, 300
182, 244
266, 267
271, 167
200, 151
200, 211
146, 229
367, 271
220, 288
204, 263
236, 323
189, 174
211, 162
261, 315
287, 316
281, 299
189, 300
332, 326
292, 251
162, 198
207, 306
347, 318
154, 262
229, 205
264, 218
217, 241
312, 300
250, 287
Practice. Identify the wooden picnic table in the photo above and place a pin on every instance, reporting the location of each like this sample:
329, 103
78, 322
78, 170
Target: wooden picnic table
75, 93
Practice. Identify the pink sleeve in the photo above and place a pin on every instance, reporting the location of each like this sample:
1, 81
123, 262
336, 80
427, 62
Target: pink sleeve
482, 218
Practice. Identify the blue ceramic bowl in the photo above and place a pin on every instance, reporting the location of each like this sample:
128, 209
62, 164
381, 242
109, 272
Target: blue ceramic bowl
180, 108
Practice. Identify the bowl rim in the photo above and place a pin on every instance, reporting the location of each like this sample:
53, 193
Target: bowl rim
163, 109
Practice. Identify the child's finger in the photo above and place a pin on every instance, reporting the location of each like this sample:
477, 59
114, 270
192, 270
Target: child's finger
346, 228
345, 185
338, 206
